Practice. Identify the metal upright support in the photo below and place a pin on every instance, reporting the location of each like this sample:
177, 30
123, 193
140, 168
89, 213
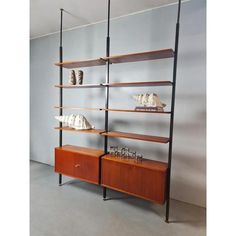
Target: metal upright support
172, 113
107, 87
61, 83
107, 76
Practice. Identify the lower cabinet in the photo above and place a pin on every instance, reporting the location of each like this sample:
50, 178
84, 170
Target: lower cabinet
145, 179
78, 162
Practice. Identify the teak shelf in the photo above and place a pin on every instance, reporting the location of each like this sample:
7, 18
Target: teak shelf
140, 84
132, 57
147, 179
80, 86
80, 108
88, 131
137, 111
141, 56
116, 134
112, 110
123, 84
84, 63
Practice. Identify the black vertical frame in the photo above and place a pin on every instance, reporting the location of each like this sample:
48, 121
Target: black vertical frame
107, 82
172, 113
61, 83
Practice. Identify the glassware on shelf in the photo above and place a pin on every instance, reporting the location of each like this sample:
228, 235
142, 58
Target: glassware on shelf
125, 153
129, 154
122, 152
116, 151
112, 152
139, 157
134, 155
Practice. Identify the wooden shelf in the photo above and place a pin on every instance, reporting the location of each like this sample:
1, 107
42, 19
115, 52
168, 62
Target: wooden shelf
136, 111
79, 108
88, 131
145, 163
116, 134
84, 63
142, 137
133, 57
81, 86
111, 110
140, 84
122, 84
143, 56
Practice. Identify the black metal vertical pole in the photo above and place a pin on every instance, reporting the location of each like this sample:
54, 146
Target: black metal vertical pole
172, 114
107, 87
61, 83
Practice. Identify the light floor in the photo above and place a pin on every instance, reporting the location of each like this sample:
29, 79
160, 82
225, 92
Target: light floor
77, 209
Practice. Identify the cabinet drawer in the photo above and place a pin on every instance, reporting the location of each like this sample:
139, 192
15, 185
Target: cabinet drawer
80, 163
147, 183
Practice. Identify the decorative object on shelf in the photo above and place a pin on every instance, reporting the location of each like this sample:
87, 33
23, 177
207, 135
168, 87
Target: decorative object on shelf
71, 120
113, 150
124, 153
139, 157
80, 75
72, 78
150, 102
78, 122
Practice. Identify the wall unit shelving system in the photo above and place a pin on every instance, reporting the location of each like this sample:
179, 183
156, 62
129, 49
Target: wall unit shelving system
147, 179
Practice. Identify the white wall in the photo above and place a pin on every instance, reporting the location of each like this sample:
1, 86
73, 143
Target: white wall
151, 30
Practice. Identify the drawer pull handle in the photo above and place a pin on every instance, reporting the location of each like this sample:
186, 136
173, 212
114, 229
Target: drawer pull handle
77, 165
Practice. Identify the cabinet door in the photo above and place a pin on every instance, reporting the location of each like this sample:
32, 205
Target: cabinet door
64, 162
142, 182
87, 167
77, 165
151, 184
